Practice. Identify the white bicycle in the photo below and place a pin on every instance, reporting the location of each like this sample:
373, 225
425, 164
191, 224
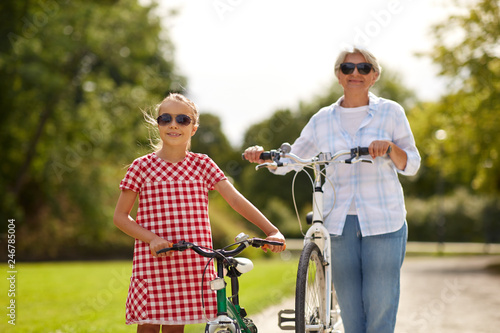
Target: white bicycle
316, 306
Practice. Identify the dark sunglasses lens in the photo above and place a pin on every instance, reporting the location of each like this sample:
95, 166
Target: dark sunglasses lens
182, 119
164, 119
364, 68
347, 68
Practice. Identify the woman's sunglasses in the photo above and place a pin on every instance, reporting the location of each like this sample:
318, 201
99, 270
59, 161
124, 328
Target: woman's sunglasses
180, 119
364, 68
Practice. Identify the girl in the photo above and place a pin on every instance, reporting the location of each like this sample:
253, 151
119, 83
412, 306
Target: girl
172, 185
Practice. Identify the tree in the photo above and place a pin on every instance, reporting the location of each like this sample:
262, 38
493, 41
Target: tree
210, 140
469, 113
74, 77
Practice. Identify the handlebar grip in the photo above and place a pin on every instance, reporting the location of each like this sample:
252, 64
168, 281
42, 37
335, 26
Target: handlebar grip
165, 250
274, 243
363, 151
266, 246
259, 242
266, 155
180, 246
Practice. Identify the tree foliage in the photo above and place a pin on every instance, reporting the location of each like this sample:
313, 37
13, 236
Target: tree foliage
75, 75
468, 52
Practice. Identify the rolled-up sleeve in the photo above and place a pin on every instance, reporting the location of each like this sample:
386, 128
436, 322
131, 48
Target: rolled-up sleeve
403, 138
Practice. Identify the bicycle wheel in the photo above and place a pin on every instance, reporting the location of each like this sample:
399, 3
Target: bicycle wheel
310, 294
214, 329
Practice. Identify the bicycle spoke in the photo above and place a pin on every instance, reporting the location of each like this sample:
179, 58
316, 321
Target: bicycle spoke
310, 298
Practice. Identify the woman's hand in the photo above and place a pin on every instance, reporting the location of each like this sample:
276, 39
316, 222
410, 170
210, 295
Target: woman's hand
382, 147
275, 237
159, 243
379, 148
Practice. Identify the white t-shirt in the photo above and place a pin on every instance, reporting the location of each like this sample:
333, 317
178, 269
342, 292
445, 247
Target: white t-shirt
351, 119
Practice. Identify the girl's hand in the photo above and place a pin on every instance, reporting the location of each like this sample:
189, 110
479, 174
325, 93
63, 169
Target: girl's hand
275, 237
159, 243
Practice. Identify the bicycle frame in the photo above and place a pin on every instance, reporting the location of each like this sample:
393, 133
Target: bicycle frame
318, 234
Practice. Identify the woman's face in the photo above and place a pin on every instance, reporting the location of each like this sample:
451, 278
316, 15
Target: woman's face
355, 81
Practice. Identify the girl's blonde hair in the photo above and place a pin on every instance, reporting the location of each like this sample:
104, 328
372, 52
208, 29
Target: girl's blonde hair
151, 114
370, 58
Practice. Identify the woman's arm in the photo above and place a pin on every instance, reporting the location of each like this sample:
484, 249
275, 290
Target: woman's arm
246, 209
126, 223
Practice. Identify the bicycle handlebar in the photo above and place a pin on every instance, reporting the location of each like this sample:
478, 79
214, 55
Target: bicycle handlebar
212, 253
322, 158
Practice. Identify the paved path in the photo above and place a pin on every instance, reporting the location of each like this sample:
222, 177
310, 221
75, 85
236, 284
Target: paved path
438, 295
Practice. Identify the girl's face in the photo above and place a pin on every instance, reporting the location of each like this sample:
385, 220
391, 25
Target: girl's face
355, 80
173, 133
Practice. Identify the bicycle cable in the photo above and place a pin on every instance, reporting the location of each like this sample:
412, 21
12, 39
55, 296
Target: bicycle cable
202, 295
204, 273
312, 183
294, 199
203, 281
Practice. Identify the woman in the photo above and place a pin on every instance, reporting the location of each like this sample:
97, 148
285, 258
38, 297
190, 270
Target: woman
367, 223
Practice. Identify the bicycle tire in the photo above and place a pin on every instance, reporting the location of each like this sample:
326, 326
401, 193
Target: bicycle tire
310, 292
207, 330
215, 329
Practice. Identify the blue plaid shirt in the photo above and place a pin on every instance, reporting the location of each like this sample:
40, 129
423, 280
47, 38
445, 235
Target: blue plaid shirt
375, 188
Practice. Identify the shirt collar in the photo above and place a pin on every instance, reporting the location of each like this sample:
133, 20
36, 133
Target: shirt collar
372, 103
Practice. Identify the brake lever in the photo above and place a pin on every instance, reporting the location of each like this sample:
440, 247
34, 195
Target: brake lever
355, 160
266, 165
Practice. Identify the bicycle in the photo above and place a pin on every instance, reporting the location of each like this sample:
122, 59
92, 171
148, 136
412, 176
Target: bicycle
316, 306
231, 317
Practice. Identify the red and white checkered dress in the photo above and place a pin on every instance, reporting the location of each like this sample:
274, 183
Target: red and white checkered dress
173, 203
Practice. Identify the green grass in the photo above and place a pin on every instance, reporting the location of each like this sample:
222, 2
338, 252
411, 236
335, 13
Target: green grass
87, 297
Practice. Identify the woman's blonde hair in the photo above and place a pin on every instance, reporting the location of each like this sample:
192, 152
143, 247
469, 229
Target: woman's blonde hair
151, 114
370, 58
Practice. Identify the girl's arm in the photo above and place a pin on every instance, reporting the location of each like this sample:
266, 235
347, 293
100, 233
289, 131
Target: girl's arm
246, 209
126, 223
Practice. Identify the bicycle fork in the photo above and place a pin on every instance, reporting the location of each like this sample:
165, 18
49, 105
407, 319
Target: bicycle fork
222, 320
318, 234
230, 315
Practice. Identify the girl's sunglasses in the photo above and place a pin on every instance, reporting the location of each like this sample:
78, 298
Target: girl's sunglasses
364, 68
180, 119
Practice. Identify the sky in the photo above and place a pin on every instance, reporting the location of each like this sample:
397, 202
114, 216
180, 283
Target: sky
246, 59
